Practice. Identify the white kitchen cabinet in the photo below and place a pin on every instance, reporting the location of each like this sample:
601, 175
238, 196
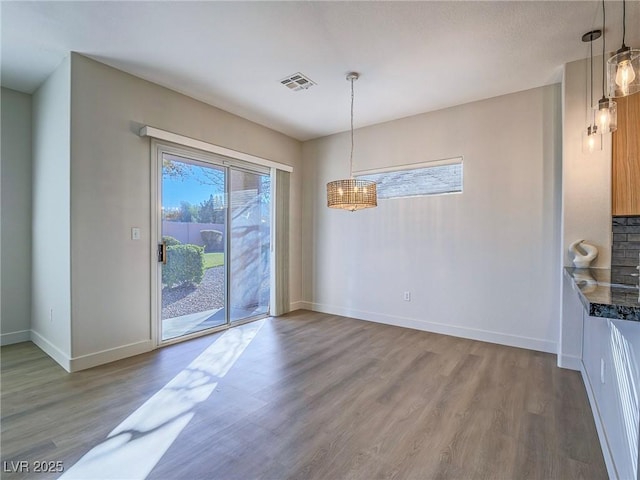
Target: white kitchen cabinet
610, 354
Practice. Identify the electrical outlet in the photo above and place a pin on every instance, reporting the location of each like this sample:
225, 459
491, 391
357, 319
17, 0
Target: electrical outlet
602, 370
407, 296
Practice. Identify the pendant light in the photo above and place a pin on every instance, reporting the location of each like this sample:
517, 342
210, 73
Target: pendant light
352, 194
624, 67
607, 110
591, 138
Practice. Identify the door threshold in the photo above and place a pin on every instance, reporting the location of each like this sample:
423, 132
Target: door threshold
210, 331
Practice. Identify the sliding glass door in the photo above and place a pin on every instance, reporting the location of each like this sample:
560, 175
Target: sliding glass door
214, 244
250, 246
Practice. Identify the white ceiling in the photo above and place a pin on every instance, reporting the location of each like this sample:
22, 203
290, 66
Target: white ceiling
413, 56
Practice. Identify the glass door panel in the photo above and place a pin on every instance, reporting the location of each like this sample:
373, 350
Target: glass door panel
193, 231
250, 244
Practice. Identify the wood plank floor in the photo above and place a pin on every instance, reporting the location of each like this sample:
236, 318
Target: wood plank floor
316, 396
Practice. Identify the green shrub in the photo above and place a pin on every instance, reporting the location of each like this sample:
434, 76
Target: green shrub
185, 264
212, 240
171, 241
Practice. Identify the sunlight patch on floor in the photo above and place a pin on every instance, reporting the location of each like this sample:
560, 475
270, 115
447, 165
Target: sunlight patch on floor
139, 442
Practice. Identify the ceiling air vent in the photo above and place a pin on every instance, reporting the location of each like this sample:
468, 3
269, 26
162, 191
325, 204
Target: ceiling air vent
297, 81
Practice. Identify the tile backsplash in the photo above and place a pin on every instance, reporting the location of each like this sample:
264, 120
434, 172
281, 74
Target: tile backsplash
625, 249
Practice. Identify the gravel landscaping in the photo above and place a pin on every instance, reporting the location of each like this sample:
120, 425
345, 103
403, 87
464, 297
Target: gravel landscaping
208, 295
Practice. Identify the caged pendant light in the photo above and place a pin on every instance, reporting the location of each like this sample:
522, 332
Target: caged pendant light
624, 67
352, 194
607, 111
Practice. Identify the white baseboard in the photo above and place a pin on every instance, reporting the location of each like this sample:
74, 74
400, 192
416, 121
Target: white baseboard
299, 305
15, 337
111, 355
570, 362
90, 360
536, 344
305, 305
602, 436
50, 349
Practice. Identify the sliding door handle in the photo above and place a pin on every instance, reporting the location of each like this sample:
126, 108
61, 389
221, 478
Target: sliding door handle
162, 253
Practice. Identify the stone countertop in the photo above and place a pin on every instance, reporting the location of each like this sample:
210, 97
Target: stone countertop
603, 298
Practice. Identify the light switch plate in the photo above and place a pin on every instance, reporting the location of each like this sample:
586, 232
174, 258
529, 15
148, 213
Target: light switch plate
135, 233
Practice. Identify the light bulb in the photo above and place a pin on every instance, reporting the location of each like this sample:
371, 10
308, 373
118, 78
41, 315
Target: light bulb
592, 143
625, 76
606, 116
603, 120
340, 191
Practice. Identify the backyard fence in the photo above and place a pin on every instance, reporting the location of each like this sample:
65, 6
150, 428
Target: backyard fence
186, 232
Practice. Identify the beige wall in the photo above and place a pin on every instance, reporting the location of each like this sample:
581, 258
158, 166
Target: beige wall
586, 197
15, 217
483, 264
110, 193
586, 178
51, 256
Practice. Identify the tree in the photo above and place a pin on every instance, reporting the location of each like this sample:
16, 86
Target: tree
188, 212
211, 211
207, 210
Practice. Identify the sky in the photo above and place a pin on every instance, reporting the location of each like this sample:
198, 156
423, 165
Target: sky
176, 190
189, 187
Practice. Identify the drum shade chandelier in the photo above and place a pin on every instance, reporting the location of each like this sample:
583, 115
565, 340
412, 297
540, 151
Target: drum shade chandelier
624, 67
352, 194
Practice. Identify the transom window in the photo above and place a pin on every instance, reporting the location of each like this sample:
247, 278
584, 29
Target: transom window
418, 179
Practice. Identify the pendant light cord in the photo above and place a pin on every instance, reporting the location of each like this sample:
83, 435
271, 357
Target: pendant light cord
588, 101
351, 155
604, 39
591, 55
624, 20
